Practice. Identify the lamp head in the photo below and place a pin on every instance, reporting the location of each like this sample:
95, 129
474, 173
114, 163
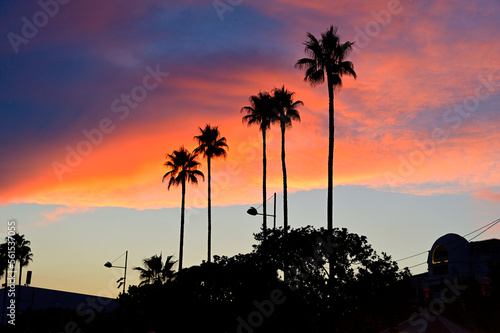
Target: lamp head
252, 211
108, 265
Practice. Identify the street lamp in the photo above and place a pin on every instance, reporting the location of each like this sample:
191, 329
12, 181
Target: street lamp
253, 211
122, 280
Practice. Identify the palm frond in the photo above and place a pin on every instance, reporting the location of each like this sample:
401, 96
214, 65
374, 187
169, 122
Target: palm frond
182, 164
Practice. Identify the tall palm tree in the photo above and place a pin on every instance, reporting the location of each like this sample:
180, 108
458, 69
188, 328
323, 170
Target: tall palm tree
183, 168
211, 144
327, 57
287, 111
260, 112
154, 271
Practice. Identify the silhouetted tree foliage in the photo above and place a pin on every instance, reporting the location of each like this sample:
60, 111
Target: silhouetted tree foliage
155, 271
257, 292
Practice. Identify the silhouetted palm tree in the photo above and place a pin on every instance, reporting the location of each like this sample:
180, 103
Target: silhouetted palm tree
211, 144
260, 112
154, 271
287, 112
327, 57
23, 255
3, 259
184, 168
4, 271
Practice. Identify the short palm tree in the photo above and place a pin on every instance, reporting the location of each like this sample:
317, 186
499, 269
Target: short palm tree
183, 168
24, 256
211, 144
3, 259
4, 271
327, 58
154, 271
287, 111
23, 253
260, 112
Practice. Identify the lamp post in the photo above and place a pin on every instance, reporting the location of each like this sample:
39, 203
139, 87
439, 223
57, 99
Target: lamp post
122, 280
253, 211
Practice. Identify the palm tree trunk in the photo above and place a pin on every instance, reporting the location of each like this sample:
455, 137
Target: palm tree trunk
285, 194
19, 292
264, 194
285, 200
5, 292
183, 204
331, 139
209, 212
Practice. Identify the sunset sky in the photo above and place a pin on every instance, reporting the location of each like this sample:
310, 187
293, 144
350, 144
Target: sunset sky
95, 93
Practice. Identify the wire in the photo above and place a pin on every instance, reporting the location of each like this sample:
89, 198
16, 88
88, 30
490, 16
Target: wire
118, 258
412, 256
487, 226
272, 196
492, 225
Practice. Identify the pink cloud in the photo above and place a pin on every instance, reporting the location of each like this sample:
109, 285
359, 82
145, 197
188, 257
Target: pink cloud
488, 195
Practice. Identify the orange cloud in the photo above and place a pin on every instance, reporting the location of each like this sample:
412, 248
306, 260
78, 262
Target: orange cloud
408, 77
59, 214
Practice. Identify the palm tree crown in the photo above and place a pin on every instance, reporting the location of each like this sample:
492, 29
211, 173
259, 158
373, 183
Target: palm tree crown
184, 168
285, 107
154, 271
211, 144
327, 56
260, 111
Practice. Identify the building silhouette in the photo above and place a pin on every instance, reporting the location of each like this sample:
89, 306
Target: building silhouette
453, 257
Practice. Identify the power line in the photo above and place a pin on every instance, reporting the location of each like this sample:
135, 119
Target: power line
412, 256
492, 225
272, 196
487, 226
118, 258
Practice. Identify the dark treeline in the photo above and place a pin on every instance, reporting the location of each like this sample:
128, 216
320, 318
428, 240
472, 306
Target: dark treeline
283, 285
